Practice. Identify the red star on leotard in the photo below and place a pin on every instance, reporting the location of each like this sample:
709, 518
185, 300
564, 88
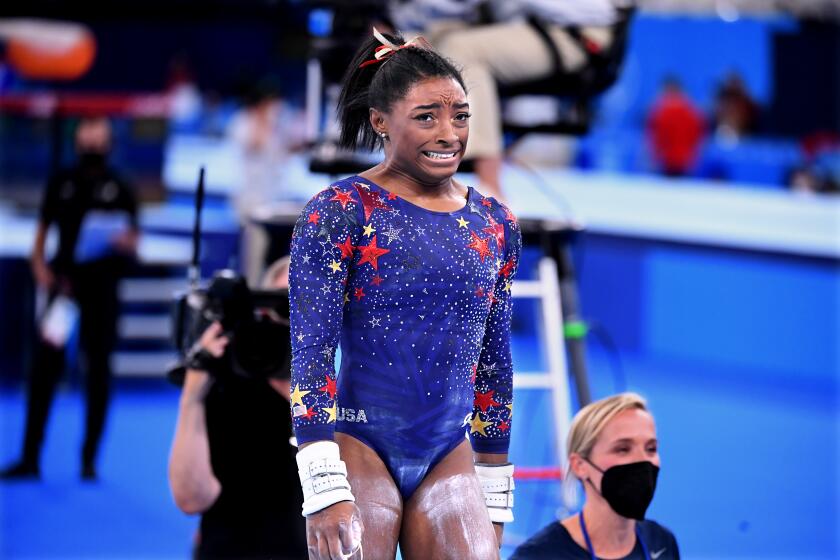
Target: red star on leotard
486, 202
309, 414
497, 230
329, 388
371, 252
506, 269
360, 293
376, 280
343, 197
346, 248
485, 400
392, 196
370, 201
479, 245
314, 217
504, 425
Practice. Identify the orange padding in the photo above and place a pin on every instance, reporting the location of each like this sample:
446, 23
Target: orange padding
538, 473
36, 61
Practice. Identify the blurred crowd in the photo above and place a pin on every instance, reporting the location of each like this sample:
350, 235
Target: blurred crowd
677, 128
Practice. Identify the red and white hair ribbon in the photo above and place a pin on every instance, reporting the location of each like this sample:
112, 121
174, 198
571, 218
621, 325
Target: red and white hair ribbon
387, 48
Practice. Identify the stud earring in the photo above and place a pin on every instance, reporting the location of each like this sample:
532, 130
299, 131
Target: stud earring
383, 135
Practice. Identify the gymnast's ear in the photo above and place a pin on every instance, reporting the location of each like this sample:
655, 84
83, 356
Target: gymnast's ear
377, 121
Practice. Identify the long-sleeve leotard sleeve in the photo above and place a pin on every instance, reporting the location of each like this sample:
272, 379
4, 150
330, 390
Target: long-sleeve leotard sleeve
493, 406
323, 242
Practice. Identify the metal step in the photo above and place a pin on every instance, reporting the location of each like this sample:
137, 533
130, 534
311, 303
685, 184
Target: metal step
142, 364
529, 380
145, 290
145, 327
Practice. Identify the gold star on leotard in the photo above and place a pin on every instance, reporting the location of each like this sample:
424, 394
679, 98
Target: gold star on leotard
297, 395
369, 230
335, 266
461, 222
331, 412
477, 425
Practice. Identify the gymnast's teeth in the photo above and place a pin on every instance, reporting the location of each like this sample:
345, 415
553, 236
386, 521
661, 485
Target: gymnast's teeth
440, 155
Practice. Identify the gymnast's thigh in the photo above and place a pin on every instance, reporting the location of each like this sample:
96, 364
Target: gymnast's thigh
446, 517
377, 497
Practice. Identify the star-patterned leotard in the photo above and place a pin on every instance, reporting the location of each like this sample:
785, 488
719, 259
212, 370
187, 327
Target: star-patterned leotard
420, 303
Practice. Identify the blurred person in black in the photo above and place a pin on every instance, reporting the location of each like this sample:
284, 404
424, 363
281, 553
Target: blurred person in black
95, 212
736, 112
231, 460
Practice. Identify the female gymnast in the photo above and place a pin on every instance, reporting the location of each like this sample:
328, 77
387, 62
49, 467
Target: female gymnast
410, 272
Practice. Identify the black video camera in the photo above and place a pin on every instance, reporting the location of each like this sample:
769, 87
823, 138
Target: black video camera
257, 323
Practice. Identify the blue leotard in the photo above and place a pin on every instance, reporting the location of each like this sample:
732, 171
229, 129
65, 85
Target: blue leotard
420, 303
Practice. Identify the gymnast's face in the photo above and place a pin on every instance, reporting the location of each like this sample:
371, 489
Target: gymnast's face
630, 437
427, 130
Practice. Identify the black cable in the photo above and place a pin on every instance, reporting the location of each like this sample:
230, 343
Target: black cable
545, 187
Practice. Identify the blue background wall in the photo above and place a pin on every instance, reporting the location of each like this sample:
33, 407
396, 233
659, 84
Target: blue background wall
701, 52
764, 311
738, 354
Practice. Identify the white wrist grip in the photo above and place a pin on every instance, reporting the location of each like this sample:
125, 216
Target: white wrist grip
497, 485
323, 477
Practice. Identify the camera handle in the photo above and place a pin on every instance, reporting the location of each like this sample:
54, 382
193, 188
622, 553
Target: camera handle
194, 272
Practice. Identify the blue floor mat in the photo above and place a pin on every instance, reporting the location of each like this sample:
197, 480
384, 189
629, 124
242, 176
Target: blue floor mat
750, 467
128, 513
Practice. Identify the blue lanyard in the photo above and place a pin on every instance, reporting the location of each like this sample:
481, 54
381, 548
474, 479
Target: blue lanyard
592, 550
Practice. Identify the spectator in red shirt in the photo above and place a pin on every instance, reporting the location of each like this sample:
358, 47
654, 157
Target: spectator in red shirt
675, 127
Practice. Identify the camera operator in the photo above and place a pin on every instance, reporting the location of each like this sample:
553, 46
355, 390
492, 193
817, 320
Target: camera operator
231, 460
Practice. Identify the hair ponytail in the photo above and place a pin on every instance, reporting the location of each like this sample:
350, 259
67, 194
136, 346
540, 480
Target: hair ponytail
381, 83
353, 108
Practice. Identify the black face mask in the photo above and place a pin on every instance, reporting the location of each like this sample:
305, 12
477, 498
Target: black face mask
92, 160
628, 489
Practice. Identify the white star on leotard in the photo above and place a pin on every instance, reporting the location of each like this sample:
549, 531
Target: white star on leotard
327, 247
392, 233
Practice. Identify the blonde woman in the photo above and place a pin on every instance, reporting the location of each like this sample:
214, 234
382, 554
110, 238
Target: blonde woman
612, 450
